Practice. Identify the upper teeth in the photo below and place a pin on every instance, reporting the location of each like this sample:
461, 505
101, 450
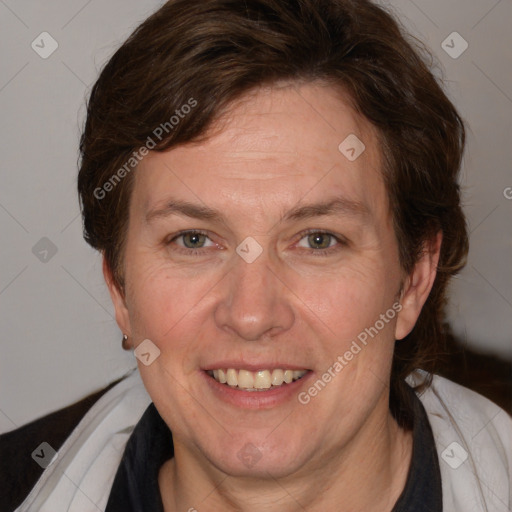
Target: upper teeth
262, 379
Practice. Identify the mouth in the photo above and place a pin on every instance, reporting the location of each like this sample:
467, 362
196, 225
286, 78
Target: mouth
261, 380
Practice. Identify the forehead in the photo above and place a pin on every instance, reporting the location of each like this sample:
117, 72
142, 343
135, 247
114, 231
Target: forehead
270, 149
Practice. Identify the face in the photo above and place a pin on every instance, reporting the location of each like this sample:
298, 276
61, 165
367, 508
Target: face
259, 255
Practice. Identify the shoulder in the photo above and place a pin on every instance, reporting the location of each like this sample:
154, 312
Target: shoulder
472, 412
474, 443
18, 469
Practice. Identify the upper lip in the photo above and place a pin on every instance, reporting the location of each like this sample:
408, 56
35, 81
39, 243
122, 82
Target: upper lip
253, 367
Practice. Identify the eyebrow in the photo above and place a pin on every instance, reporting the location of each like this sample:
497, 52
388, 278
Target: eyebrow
184, 208
337, 205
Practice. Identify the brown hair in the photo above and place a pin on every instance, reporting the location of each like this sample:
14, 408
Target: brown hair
211, 52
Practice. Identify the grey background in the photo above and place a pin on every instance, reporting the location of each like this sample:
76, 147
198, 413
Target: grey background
59, 340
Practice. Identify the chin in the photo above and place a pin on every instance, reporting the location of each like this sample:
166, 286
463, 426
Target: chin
248, 457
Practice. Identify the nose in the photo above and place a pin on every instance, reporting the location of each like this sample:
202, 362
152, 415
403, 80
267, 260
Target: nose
255, 302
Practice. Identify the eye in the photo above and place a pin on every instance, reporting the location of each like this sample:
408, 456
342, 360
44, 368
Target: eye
321, 242
318, 240
191, 241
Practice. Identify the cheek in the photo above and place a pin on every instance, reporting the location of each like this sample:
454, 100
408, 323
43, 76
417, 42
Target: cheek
163, 302
346, 302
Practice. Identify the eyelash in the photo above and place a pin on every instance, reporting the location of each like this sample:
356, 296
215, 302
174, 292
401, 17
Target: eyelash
341, 242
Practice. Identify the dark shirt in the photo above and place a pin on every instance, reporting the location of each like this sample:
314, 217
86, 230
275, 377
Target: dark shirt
18, 470
135, 487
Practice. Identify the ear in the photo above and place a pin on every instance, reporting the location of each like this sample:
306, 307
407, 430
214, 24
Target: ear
117, 296
417, 287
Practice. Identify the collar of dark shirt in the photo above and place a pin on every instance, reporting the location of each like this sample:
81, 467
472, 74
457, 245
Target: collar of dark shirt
135, 487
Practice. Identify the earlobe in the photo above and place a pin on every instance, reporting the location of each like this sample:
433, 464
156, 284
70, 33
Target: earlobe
118, 299
417, 287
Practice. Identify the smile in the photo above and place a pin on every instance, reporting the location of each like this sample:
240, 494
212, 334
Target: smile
261, 380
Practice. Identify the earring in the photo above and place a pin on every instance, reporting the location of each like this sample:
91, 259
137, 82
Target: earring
125, 344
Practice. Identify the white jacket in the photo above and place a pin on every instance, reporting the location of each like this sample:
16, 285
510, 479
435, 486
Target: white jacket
473, 436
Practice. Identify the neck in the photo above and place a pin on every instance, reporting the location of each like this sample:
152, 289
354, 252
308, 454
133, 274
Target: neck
368, 475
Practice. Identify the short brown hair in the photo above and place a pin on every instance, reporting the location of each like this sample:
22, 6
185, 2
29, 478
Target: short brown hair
214, 51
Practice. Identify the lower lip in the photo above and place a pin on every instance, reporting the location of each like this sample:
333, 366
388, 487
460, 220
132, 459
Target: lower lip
257, 399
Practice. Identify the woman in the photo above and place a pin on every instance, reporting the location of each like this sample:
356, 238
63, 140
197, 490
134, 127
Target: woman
273, 186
